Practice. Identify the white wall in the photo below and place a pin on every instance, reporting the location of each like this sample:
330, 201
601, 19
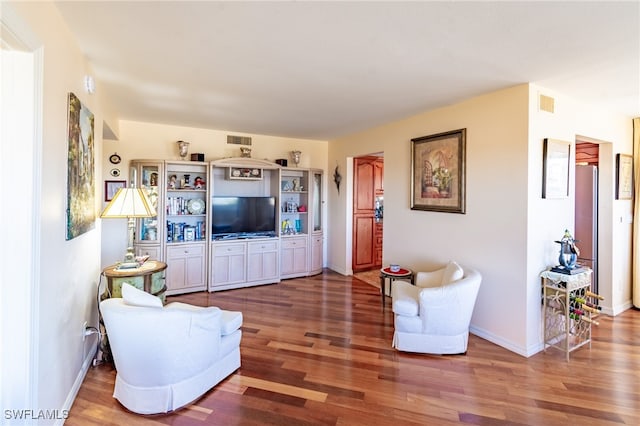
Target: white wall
67, 271
508, 231
151, 141
491, 236
548, 218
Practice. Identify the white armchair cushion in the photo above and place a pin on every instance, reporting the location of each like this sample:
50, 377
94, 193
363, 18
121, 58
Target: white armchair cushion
135, 297
405, 298
452, 272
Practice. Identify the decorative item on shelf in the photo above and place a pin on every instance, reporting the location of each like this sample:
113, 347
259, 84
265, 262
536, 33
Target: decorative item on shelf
337, 177
185, 182
295, 183
282, 162
292, 207
199, 183
295, 157
245, 152
172, 182
286, 227
244, 173
195, 206
569, 253
183, 149
197, 156
302, 209
129, 203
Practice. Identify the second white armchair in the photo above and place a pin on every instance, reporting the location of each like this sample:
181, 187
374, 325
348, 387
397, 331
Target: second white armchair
433, 316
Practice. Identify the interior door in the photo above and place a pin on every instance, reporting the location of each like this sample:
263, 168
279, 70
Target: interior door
364, 176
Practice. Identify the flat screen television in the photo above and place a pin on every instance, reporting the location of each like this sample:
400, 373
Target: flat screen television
242, 215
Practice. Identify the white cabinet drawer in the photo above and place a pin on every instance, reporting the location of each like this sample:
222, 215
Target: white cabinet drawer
185, 250
227, 249
260, 246
294, 242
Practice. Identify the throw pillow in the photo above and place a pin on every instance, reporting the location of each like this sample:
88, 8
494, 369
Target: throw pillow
136, 297
453, 272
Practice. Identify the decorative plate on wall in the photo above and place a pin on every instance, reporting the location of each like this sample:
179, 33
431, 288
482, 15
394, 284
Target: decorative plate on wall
115, 158
115, 172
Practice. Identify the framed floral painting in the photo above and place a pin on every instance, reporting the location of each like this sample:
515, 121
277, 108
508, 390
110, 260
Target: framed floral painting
438, 172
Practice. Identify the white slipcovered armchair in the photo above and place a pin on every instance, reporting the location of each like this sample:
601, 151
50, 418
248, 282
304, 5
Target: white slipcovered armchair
433, 315
168, 356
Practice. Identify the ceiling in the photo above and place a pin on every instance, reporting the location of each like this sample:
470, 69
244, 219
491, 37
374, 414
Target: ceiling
321, 70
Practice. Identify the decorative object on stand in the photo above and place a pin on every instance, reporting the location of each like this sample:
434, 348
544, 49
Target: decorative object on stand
295, 157
129, 203
183, 149
245, 152
337, 177
569, 253
438, 172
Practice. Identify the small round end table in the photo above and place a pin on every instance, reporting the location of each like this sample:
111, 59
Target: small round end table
392, 276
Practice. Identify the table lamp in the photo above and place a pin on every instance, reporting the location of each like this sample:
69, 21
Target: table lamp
129, 203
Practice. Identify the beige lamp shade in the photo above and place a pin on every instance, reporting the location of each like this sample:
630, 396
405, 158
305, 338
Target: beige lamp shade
129, 202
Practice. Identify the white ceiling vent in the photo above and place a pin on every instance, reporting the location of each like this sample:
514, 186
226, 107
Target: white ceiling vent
239, 140
546, 103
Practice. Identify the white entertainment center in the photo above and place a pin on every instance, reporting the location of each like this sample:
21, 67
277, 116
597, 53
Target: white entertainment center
230, 223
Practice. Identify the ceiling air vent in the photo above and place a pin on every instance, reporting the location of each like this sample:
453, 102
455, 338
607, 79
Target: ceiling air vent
239, 140
547, 103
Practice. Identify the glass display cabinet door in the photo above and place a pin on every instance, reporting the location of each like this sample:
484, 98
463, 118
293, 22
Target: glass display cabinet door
316, 201
147, 228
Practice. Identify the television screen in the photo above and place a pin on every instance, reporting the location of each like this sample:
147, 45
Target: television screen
233, 215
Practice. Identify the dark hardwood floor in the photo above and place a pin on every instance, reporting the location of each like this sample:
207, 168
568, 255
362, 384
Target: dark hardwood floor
317, 351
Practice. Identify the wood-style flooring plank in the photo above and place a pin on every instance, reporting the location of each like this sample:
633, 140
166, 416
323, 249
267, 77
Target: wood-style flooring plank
317, 351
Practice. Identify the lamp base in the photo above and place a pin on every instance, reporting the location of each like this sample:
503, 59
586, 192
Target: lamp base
129, 261
128, 265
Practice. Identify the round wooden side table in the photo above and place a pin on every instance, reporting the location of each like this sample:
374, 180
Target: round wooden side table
148, 277
386, 272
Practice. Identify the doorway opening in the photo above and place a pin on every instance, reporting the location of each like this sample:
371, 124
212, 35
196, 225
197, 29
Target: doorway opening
586, 206
368, 212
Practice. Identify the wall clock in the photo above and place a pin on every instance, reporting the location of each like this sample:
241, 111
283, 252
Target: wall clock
115, 158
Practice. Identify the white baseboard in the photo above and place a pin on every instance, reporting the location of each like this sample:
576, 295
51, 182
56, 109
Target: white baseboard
73, 392
499, 341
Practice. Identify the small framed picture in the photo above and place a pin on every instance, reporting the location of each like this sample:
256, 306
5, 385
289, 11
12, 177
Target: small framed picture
624, 177
111, 187
555, 168
189, 233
